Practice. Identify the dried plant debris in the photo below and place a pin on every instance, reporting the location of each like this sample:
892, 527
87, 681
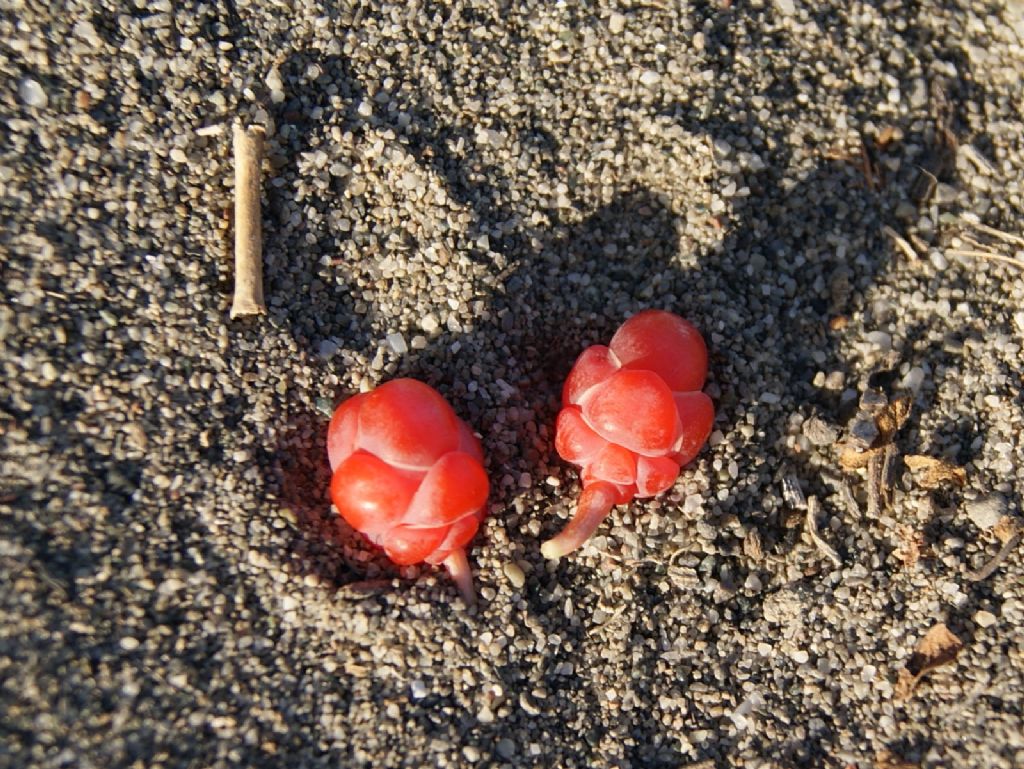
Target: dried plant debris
874, 428
933, 473
939, 159
1009, 531
985, 242
892, 417
901, 243
871, 445
911, 545
812, 532
852, 459
938, 647
753, 546
794, 497
874, 174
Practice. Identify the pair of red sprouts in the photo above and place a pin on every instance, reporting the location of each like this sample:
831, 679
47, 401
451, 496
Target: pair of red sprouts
408, 473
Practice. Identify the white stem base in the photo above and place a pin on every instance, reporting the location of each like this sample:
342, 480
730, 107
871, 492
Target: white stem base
593, 507
462, 575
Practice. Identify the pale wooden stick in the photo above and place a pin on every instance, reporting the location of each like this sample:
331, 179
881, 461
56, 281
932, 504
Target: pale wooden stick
997, 233
985, 255
901, 243
248, 299
811, 524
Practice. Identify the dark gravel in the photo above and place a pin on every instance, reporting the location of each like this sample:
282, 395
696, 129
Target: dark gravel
471, 193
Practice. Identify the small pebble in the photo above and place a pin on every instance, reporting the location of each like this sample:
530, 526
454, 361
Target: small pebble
32, 94
515, 574
913, 380
985, 618
864, 431
819, 432
48, 372
650, 78
429, 323
986, 511
506, 748
397, 343
880, 339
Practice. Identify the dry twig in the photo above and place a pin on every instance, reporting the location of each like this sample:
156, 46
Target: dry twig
977, 159
1012, 533
901, 243
876, 473
1015, 239
794, 496
248, 298
972, 253
812, 532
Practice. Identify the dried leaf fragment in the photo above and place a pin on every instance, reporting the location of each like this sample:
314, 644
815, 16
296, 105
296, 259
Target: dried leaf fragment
938, 647
838, 323
887, 422
852, 459
887, 136
931, 472
891, 419
1007, 528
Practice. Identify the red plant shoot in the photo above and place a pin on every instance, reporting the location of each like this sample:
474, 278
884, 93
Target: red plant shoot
408, 474
632, 414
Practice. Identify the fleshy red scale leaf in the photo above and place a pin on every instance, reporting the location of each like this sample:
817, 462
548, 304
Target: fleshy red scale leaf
623, 494
456, 485
341, 433
370, 494
406, 422
662, 342
406, 545
614, 464
594, 365
633, 409
459, 535
696, 417
574, 441
654, 475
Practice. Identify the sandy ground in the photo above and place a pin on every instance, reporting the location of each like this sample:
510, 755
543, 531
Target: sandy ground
471, 194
